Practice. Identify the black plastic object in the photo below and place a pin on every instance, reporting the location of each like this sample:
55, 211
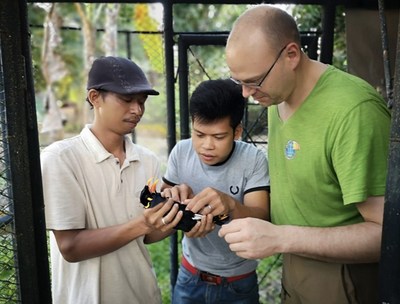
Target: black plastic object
150, 199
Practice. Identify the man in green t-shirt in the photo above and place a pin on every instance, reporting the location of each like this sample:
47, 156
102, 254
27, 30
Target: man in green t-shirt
327, 147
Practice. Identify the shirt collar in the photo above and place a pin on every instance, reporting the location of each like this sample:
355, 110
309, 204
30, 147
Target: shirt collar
98, 151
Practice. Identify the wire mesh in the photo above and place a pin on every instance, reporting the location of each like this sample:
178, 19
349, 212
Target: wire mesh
8, 255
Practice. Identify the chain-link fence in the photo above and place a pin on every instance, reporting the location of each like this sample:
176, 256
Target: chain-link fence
8, 256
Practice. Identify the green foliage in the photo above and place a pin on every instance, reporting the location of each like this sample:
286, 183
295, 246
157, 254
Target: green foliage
269, 272
206, 62
8, 284
339, 51
35, 19
205, 18
72, 87
309, 17
161, 261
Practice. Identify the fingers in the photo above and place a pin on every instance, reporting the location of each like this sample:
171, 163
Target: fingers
164, 216
202, 227
178, 193
232, 227
170, 219
200, 202
185, 192
171, 193
252, 238
207, 206
209, 201
235, 238
194, 231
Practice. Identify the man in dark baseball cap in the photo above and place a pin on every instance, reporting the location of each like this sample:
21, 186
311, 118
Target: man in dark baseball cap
91, 186
118, 75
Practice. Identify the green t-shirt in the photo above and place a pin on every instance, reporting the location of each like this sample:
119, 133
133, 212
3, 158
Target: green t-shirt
330, 154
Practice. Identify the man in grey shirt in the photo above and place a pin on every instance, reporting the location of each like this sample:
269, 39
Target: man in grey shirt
215, 173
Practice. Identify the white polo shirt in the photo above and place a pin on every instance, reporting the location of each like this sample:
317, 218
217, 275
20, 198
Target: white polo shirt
85, 187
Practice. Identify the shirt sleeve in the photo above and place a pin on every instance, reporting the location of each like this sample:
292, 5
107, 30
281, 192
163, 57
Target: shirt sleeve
259, 178
63, 197
360, 152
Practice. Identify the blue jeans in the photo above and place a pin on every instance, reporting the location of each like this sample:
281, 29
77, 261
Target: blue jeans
190, 289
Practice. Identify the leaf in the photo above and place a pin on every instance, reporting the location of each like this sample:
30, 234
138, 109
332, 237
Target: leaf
152, 43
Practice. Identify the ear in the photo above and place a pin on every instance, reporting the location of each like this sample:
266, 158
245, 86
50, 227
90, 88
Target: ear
293, 53
238, 131
94, 97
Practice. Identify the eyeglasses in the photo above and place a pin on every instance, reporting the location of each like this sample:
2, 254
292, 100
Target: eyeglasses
257, 85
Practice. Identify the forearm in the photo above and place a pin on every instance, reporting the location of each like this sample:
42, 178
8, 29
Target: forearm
157, 236
241, 211
358, 243
255, 204
84, 244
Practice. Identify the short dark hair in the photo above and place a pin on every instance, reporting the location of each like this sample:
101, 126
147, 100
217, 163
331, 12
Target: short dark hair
216, 99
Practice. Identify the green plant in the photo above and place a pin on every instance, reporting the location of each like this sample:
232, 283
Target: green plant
8, 283
161, 261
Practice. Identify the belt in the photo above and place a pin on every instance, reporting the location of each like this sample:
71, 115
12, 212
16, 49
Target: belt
213, 278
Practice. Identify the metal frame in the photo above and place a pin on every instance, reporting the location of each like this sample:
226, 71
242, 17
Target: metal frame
24, 148
23, 145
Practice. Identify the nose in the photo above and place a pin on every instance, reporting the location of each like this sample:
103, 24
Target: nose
247, 91
135, 107
208, 143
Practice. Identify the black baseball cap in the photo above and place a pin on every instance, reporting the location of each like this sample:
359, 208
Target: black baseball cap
118, 75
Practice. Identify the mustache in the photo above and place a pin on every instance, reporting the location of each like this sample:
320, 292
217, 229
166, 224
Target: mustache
133, 118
